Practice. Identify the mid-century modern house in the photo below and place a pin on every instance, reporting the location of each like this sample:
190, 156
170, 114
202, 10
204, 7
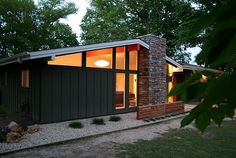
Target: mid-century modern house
90, 80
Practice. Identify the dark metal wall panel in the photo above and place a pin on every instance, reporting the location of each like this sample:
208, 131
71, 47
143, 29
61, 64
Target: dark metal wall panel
90, 94
74, 94
110, 90
46, 110
14, 96
97, 94
82, 93
104, 93
65, 90
56, 95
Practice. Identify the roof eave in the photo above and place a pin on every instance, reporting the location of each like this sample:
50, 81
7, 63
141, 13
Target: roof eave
14, 59
176, 64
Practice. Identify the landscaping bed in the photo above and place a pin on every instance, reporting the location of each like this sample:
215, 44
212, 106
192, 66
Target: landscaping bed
61, 132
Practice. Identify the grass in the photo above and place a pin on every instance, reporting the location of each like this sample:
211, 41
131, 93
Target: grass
98, 121
76, 125
115, 118
187, 143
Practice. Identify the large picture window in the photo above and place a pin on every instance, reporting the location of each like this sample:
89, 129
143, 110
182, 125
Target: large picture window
68, 60
25, 78
99, 58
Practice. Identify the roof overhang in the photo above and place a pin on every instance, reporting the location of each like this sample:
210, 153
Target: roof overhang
61, 51
199, 68
174, 63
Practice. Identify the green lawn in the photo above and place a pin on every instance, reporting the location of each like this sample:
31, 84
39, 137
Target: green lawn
214, 143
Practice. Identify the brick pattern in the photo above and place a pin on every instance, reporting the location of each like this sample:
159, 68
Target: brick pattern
159, 110
152, 71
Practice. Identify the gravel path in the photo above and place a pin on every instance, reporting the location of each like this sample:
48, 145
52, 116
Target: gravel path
60, 132
101, 146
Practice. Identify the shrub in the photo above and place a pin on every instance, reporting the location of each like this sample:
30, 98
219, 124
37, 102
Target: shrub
98, 121
76, 125
115, 118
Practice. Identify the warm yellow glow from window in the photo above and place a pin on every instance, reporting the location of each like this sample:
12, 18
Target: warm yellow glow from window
203, 79
67, 60
120, 58
132, 90
171, 98
133, 60
120, 90
25, 78
99, 58
170, 72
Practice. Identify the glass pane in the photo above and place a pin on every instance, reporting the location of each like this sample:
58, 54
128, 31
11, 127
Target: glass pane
133, 60
120, 58
25, 78
120, 91
132, 90
99, 58
67, 60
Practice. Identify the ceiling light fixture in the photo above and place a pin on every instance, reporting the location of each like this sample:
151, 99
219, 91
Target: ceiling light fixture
101, 63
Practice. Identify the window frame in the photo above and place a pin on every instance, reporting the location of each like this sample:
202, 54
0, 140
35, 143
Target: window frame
127, 72
25, 78
92, 67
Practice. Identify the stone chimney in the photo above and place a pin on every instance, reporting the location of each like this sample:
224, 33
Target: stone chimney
152, 71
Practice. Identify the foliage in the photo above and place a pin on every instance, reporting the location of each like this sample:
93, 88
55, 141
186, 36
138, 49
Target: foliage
76, 125
124, 19
186, 143
98, 121
25, 26
218, 50
115, 118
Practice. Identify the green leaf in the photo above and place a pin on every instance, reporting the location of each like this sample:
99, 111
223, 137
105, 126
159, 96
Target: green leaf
202, 121
187, 120
217, 114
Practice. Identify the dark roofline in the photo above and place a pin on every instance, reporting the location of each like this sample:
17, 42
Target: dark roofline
199, 68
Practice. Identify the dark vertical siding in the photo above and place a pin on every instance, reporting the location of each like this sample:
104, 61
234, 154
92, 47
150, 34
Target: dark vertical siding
104, 93
82, 93
97, 94
70, 93
74, 94
14, 96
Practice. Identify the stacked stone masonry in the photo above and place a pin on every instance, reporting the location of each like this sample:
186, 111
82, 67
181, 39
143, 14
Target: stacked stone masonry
152, 71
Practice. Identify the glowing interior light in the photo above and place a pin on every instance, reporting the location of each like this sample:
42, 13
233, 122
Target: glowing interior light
101, 63
203, 79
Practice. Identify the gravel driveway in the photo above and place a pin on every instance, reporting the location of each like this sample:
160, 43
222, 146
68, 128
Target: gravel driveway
99, 147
